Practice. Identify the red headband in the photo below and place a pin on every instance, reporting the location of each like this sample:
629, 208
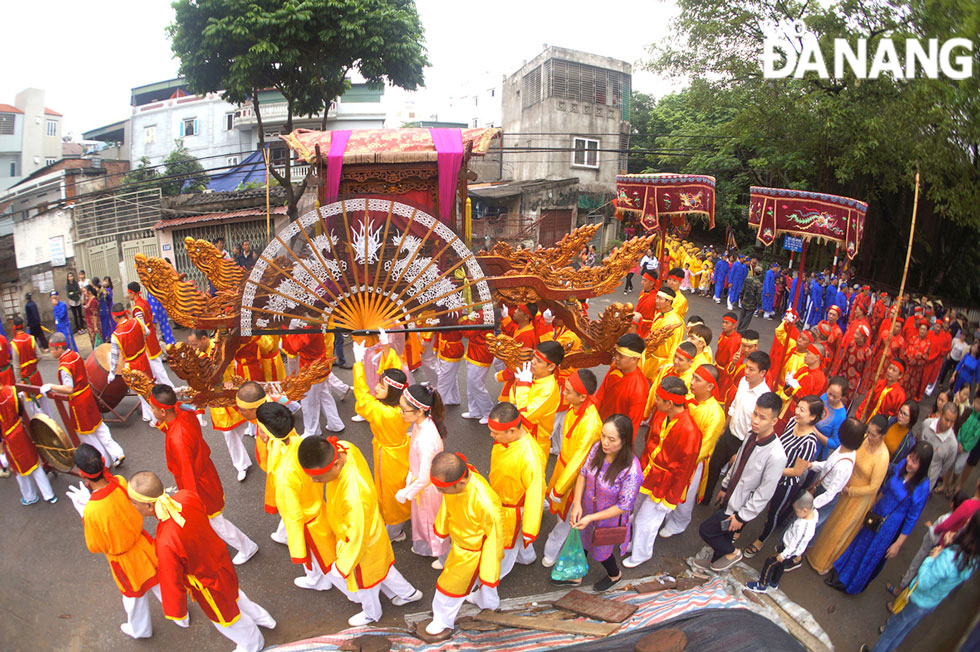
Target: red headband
824, 328
684, 353
576, 382
163, 406
540, 356
730, 319
101, 475
442, 483
120, 313
677, 399
522, 307
320, 470
650, 275
898, 363
864, 329
705, 375
392, 382
835, 307
18, 327
417, 403
814, 350
500, 426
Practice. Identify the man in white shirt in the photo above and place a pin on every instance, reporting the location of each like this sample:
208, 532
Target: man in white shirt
938, 431
750, 388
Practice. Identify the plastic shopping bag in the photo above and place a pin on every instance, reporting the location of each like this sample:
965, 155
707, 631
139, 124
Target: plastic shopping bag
571, 564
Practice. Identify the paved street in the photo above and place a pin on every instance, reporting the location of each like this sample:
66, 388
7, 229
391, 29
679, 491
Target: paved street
55, 595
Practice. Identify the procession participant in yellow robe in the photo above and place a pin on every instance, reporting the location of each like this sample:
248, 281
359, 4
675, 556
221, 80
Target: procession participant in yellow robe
697, 263
700, 335
709, 415
682, 367
794, 359
300, 503
517, 466
679, 303
390, 442
472, 517
272, 367
226, 420
666, 317
536, 393
580, 431
570, 343
114, 528
364, 558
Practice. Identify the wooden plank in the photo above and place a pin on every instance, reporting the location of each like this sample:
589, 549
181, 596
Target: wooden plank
593, 606
545, 624
653, 587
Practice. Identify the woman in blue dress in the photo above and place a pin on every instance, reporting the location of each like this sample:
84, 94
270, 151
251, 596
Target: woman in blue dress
899, 504
62, 321
105, 308
161, 318
968, 368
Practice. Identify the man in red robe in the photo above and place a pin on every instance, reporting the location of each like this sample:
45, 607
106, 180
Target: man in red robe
808, 379
21, 452
6, 370
735, 370
192, 559
25, 353
729, 343
645, 312
189, 460
887, 396
144, 314
520, 326
624, 389
854, 361
669, 460
128, 348
940, 344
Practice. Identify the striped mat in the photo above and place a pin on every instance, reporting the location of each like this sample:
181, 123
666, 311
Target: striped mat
659, 607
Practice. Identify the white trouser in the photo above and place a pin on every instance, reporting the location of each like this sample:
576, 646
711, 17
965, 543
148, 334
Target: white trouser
244, 632
317, 399
649, 517
448, 381
325, 581
281, 531
338, 387
236, 447
556, 432
105, 443
478, 399
291, 365
138, 613
159, 371
516, 554
40, 478
552, 547
147, 414
393, 585
430, 364
446, 608
678, 520
230, 534
45, 406
396, 530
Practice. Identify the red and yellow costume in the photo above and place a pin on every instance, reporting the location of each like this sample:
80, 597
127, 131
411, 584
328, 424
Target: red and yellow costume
579, 432
735, 372
26, 347
143, 313
940, 344
189, 460
451, 347
679, 305
646, 305
709, 416
389, 442
225, 418
623, 394
130, 337
114, 528
6, 370
477, 352
728, 348
664, 353
363, 552
670, 457
474, 521
785, 357
248, 361
538, 402
20, 447
882, 399
916, 356
84, 411
527, 337
192, 559
300, 503
854, 361
517, 476
309, 346
272, 366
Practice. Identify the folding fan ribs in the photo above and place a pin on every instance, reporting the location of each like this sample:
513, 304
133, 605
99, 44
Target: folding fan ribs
363, 264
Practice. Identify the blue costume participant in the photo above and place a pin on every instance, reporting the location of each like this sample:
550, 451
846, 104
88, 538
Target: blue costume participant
843, 301
769, 291
830, 294
105, 313
62, 320
34, 322
814, 312
739, 272
721, 274
800, 300
730, 281
161, 318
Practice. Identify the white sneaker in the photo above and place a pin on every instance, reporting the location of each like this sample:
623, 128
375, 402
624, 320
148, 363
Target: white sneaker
629, 562
484, 421
665, 535
128, 631
304, 582
472, 597
548, 563
468, 415
243, 556
399, 601
436, 564
275, 537
242, 473
432, 629
401, 536
357, 418
360, 620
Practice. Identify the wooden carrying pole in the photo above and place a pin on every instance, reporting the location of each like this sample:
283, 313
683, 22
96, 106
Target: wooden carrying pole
901, 293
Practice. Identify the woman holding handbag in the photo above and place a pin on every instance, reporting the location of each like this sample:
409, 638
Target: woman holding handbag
887, 525
605, 494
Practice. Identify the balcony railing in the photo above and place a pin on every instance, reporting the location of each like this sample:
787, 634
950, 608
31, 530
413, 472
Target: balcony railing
296, 173
275, 114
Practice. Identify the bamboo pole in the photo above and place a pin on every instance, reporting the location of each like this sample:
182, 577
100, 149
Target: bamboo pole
898, 300
268, 213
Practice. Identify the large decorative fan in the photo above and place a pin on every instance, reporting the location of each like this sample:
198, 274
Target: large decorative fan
361, 264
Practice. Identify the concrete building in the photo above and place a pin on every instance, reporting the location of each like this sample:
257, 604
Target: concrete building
111, 141
476, 101
30, 137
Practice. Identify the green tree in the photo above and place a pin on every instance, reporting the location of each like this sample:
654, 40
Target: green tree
143, 176
187, 174
302, 48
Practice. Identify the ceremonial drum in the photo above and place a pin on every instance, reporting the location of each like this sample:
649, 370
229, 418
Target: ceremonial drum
52, 443
107, 394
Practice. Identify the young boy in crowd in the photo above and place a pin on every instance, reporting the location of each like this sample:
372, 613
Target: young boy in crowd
795, 540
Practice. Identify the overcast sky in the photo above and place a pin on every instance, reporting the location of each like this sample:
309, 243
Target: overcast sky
87, 56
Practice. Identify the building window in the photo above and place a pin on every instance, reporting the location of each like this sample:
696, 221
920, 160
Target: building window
532, 88
576, 81
52, 128
188, 127
229, 121
7, 121
13, 169
149, 134
49, 161
231, 160
586, 153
